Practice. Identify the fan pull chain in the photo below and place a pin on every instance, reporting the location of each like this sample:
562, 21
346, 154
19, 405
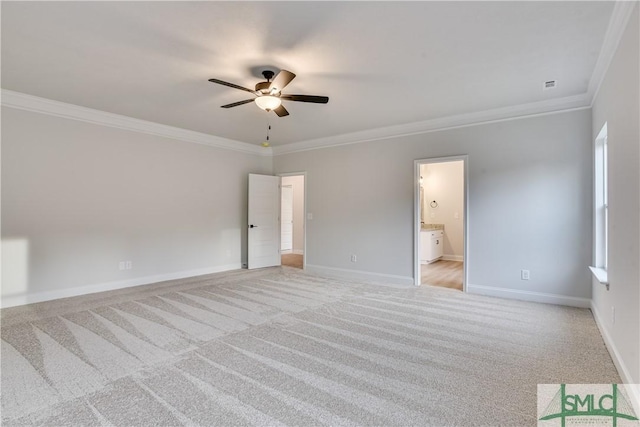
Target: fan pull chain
266, 143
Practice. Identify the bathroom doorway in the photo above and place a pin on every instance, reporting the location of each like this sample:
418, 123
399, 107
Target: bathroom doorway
292, 220
440, 241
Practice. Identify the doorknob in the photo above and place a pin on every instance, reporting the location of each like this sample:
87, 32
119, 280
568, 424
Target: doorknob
253, 226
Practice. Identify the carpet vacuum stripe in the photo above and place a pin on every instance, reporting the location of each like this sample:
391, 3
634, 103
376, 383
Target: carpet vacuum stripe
280, 347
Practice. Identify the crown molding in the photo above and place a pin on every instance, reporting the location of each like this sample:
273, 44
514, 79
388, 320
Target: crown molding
549, 106
22, 101
620, 16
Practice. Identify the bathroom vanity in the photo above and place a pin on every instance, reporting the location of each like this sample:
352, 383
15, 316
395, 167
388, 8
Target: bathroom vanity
431, 242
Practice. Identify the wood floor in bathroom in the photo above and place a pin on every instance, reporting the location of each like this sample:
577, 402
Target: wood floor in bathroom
447, 274
292, 260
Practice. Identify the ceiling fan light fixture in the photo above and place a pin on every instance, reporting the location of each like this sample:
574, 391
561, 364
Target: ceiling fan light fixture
268, 102
268, 94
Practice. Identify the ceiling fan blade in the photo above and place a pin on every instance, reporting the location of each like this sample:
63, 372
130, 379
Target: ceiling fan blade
281, 111
283, 78
235, 104
221, 82
306, 98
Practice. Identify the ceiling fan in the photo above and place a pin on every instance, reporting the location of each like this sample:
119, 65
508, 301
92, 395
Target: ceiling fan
269, 94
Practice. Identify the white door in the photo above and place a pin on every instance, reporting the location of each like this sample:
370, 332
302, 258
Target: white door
264, 221
286, 219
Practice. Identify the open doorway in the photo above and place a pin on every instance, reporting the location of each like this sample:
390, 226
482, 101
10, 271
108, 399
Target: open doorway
292, 220
441, 218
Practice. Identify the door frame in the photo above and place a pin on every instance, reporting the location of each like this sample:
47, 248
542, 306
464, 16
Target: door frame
304, 214
417, 209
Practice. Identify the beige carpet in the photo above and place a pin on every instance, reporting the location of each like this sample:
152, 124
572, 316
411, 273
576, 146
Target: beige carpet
279, 347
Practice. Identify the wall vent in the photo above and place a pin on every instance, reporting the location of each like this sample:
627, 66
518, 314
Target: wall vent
549, 84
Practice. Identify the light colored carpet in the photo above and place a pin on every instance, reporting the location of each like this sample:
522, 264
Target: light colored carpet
280, 347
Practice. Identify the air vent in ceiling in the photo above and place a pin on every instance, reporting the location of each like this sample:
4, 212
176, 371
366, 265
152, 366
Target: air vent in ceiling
549, 84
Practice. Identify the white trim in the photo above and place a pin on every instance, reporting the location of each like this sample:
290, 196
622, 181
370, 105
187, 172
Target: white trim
600, 274
286, 252
633, 388
551, 106
15, 300
22, 101
386, 279
529, 296
298, 251
617, 24
37, 104
458, 258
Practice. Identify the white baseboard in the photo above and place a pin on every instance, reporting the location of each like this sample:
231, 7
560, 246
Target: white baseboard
15, 300
286, 251
298, 251
359, 275
632, 388
453, 258
529, 296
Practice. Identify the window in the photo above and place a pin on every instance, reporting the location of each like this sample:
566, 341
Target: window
601, 206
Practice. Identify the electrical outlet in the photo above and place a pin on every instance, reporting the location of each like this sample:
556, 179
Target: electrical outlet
613, 315
122, 265
524, 274
354, 258
128, 265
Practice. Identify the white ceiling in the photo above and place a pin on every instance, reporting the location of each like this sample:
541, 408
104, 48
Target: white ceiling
381, 63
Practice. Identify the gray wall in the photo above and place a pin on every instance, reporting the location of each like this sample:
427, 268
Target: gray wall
617, 104
529, 202
78, 198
